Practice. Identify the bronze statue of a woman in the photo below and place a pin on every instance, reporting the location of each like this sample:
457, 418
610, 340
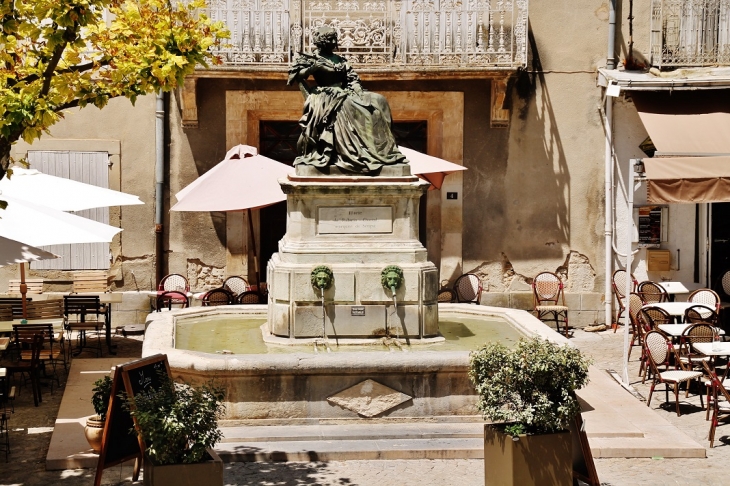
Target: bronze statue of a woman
342, 124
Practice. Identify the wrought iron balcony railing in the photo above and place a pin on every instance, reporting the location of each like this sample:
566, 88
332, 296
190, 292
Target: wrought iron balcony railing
690, 33
387, 35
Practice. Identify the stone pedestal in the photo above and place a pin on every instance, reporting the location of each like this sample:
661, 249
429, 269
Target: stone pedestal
356, 226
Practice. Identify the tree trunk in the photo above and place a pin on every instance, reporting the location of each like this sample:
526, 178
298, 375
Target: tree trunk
5, 145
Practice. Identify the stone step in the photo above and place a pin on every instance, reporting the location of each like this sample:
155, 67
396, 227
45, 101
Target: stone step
372, 431
352, 442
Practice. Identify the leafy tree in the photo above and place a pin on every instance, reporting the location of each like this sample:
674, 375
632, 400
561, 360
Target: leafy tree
61, 54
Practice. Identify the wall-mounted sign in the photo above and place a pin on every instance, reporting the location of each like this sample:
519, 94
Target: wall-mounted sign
357, 310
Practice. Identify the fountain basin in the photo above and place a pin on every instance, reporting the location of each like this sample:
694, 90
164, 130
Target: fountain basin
300, 386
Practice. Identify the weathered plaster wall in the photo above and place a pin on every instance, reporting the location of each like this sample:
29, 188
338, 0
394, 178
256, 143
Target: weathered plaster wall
134, 128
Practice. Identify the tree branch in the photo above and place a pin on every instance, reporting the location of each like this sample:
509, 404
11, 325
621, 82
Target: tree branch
68, 35
73, 69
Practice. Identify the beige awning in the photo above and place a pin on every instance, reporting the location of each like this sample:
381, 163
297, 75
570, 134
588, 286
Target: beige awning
687, 122
688, 179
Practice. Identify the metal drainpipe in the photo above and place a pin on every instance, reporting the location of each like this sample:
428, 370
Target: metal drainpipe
159, 182
608, 166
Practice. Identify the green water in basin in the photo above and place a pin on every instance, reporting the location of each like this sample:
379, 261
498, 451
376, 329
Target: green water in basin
243, 336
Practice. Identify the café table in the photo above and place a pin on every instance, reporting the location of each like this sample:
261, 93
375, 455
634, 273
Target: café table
718, 348
673, 289
676, 330
674, 309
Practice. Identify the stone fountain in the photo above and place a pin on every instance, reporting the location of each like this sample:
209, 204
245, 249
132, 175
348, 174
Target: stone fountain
350, 271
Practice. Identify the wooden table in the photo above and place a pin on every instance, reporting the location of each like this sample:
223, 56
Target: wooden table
6, 327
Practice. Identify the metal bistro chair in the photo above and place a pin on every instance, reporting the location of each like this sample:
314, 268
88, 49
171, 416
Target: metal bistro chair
618, 284
659, 349
83, 314
236, 285
468, 288
652, 292
720, 409
549, 299
219, 296
31, 367
49, 354
166, 300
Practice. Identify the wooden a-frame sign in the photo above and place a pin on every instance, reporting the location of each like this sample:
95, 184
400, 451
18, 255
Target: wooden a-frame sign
119, 444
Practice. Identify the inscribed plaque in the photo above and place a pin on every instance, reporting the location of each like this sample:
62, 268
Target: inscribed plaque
355, 220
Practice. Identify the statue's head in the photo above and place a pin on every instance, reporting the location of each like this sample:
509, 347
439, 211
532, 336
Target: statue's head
322, 277
391, 277
325, 37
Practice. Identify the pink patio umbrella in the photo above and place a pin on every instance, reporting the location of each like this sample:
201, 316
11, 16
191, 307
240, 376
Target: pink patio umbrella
244, 180
429, 168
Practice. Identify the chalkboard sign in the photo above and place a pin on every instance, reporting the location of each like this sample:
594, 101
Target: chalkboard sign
118, 443
584, 469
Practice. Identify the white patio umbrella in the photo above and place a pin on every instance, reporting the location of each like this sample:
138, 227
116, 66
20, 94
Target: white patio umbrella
40, 198
244, 180
427, 167
12, 252
37, 225
60, 193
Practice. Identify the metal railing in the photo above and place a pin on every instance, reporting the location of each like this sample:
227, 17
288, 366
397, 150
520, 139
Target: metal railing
416, 35
690, 33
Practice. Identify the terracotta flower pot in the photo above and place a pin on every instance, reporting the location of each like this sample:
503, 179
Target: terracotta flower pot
539, 460
94, 430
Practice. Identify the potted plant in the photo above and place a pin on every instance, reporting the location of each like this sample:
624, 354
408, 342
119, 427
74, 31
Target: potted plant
528, 394
178, 424
94, 429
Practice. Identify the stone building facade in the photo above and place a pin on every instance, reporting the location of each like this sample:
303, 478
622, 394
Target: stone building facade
507, 89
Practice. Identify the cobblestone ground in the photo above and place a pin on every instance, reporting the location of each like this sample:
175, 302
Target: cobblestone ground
30, 436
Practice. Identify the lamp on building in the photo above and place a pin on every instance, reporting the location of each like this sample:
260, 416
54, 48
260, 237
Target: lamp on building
639, 168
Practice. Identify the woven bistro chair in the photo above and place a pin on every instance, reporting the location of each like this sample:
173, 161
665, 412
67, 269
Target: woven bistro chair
445, 293
694, 334
705, 297
700, 313
236, 285
637, 330
250, 297
618, 284
650, 318
175, 282
166, 301
219, 296
468, 288
659, 349
549, 299
652, 292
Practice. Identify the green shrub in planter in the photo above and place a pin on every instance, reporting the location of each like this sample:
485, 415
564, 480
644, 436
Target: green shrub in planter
530, 388
100, 399
177, 422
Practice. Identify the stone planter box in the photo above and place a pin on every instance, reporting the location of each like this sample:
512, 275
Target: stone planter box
539, 460
206, 473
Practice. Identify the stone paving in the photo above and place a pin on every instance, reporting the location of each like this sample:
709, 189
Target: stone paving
30, 437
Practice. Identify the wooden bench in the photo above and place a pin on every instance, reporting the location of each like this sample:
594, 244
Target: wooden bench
35, 285
90, 281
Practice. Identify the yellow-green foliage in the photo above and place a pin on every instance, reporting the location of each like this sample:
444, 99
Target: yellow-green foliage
59, 54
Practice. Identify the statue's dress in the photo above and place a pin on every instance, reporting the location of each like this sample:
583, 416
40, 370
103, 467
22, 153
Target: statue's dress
343, 124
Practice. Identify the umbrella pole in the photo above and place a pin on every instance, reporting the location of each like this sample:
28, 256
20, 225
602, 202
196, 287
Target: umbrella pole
253, 247
23, 290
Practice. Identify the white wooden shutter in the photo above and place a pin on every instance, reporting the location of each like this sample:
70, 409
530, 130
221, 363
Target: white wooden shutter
90, 168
